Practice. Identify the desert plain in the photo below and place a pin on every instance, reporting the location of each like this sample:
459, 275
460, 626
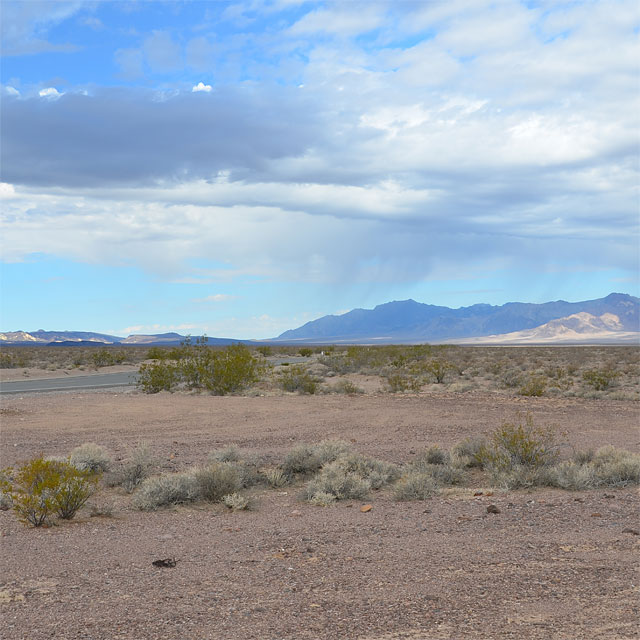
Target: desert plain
542, 563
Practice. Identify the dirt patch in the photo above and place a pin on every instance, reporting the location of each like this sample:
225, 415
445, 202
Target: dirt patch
543, 566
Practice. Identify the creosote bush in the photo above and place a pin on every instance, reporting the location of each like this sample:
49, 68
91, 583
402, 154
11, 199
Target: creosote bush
297, 378
196, 365
415, 486
600, 379
236, 502
41, 488
520, 443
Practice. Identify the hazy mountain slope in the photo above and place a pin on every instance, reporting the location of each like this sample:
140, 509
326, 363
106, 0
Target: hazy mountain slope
578, 328
45, 337
412, 321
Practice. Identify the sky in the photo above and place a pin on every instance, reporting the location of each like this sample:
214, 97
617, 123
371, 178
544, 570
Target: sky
241, 168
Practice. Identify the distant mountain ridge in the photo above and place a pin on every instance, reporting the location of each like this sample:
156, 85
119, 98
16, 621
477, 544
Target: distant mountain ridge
88, 339
411, 321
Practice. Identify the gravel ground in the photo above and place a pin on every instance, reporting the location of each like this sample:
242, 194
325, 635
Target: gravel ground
550, 564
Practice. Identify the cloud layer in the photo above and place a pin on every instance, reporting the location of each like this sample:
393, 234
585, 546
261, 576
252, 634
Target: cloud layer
341, 142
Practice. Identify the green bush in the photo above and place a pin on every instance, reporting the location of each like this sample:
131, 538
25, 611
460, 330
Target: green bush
265, 351
158, 376
439, 369
535, 386
520, 444
305, 352
600, 379
470, 451
297, 378
41, 488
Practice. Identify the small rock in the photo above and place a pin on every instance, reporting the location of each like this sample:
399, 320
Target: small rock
609, 495
489, 493
477, 493
596, 515
365, 508
296, 513
633, 532
578, 499
493, 509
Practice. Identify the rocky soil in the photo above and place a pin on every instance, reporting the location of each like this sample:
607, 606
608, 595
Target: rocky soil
541, 564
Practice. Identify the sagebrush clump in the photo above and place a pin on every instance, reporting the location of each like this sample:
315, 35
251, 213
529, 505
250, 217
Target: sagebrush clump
91, 457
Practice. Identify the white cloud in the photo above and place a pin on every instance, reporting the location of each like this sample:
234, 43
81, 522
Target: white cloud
216, 297
11, 91
50, 93
202, 87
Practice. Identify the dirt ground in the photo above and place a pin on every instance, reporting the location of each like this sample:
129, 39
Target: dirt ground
550, 565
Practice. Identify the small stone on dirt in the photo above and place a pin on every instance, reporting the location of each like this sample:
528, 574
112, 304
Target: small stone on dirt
493, 509
166, 563
365, 508
634, 532
596, 515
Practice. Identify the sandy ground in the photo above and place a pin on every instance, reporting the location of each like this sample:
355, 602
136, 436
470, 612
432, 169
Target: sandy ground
551, 564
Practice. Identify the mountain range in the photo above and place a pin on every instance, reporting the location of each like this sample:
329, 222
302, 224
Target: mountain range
410, 321
613, 319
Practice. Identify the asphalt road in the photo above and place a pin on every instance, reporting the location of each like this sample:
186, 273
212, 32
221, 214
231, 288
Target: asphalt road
96, 381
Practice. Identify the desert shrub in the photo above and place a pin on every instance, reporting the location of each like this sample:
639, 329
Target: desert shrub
42, 487
297, 378
236, 502
217, 480
511, 379
90, 457
158, 376
377, 473
346, 387
157, 353
520, 444
534, 386
322, 499
415, 486
106, 358
600, 379
400, 382
305, 352
234, 369
470, 451
439, 369
336, 480
615, 467
134, 470
444, 474
583, 457
573, 476
166, 490
265, 351
230, 453
520, 476
432, 455
276, 477
309, 458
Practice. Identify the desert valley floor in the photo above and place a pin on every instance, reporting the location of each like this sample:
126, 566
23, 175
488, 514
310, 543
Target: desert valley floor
551, 564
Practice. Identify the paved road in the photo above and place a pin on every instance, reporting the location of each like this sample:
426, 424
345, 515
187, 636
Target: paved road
97, 381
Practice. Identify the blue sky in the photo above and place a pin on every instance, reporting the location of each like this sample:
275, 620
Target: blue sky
240, 168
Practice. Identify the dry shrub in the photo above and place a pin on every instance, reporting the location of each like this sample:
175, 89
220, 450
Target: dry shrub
134, 470
573, 476
415, 486
217, 480
166, 490
322, 499
305, 459
230, 453
615, 467
276, 477
346, 387
236, 502
470, 452
336, 481
91, 457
